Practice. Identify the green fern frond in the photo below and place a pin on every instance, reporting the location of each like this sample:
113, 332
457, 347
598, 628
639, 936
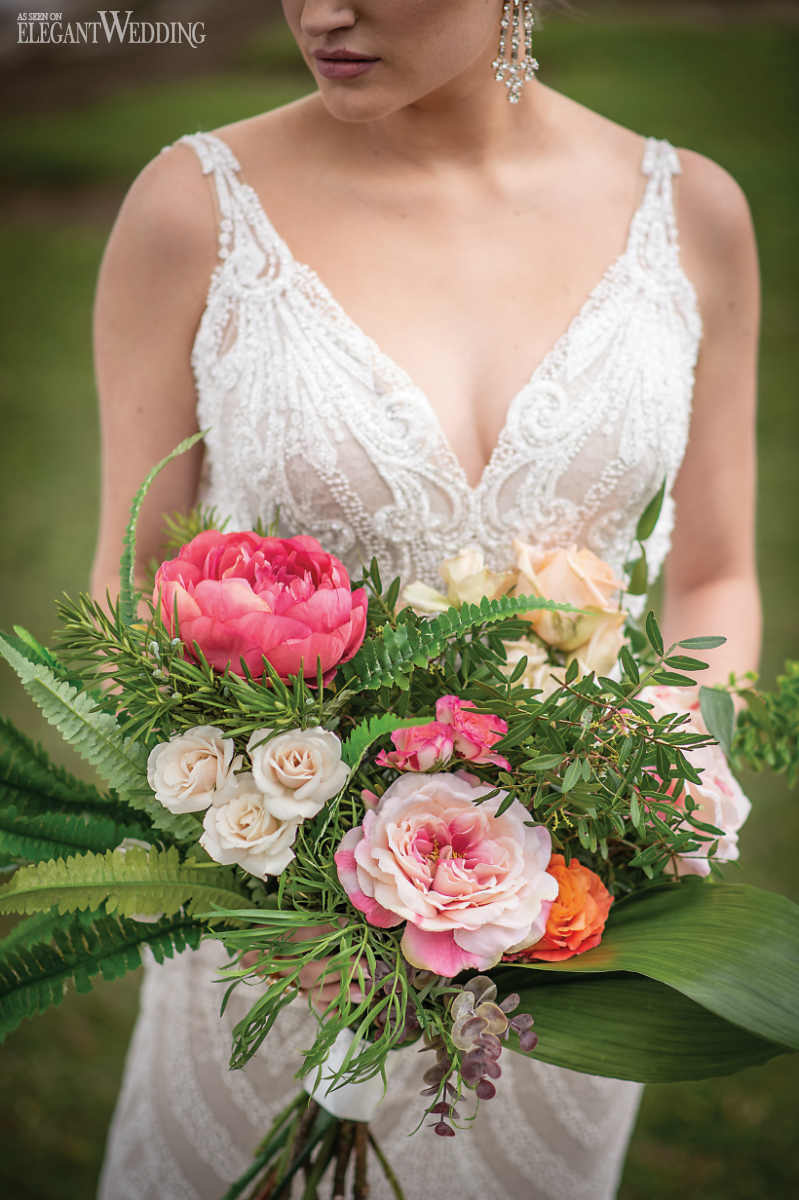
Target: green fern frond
26, 764
136, 881
369, 730
41, 836
389, 658
36, 973
98, 738
128, 595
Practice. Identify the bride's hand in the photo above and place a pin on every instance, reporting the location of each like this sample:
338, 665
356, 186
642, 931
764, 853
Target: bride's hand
320, 992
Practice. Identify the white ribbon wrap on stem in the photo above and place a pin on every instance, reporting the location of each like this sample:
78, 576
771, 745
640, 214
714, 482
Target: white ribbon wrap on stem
352, 1101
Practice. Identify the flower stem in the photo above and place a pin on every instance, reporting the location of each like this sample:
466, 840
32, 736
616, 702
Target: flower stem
391, 1178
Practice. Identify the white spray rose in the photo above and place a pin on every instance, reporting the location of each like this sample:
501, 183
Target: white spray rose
186, 771
297, 771
242, 830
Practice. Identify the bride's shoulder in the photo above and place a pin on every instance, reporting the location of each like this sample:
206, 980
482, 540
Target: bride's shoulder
717, 237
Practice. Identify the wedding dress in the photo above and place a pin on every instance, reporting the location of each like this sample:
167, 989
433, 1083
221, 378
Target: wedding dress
305, 411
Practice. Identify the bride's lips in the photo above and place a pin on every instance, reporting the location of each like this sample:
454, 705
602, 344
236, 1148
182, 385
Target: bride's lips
342, 64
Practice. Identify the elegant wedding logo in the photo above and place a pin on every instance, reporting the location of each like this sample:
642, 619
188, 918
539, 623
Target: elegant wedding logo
110, 25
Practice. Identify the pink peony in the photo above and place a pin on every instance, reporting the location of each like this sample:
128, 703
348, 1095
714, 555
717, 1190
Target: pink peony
468, 884
474, 733
419, 747
244, 597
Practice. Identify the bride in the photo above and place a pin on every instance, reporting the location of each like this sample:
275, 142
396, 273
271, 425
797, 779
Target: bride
529, 317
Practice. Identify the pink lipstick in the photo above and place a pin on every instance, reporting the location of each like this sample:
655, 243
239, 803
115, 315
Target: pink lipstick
342, 64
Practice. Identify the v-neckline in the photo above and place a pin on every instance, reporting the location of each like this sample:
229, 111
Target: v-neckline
403, 378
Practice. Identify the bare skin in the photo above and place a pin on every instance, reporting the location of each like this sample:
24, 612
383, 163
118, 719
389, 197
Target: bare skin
463, 234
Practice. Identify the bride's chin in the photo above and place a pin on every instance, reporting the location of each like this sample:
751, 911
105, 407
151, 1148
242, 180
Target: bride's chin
358, 106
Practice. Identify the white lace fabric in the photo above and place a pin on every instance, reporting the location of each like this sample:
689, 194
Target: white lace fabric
305, 412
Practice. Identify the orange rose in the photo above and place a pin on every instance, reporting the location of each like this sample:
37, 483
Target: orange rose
577, 918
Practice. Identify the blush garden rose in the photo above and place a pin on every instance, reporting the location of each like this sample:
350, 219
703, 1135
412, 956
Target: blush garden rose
468, 883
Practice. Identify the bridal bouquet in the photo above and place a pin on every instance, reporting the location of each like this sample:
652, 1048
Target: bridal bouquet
487, 819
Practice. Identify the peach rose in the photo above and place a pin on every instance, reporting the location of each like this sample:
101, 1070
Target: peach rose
468, 884
570, 576
577, 918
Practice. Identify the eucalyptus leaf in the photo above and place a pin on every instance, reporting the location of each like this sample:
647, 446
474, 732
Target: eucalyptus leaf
649, 517
718, 713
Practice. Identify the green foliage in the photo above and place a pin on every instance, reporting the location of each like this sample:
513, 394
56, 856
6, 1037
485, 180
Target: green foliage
128, 596
181, 528
708, 941
630, 1027
638, 569
38, 965
389, 658
134, 881
767, 733
99, 738
166, 693
370, 730
718, 713
47, 813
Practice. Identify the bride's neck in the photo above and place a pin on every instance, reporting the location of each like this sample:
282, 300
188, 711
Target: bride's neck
470, 124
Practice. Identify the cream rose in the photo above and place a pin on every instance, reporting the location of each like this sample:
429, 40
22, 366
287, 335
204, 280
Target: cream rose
243, 831
569, 576
186, 771
467, 580
539, 670
297, 771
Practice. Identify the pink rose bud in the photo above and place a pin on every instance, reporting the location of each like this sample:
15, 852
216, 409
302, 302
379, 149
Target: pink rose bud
419, 747
474, 733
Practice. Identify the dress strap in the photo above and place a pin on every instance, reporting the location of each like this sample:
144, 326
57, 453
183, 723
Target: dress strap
219, 161
654, 237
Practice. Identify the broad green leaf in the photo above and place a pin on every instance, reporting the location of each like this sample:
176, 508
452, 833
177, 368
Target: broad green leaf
718, 713
731, 948
627, 1027
649, 517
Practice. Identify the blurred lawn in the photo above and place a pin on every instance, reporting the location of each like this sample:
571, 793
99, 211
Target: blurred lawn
728, 93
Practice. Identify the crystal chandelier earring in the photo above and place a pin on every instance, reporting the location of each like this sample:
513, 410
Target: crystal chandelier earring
517, 67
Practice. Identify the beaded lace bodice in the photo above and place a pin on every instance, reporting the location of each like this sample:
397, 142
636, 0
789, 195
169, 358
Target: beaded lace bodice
306, 412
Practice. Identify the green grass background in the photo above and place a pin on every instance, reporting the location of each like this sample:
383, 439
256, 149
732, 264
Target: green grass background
729, 93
